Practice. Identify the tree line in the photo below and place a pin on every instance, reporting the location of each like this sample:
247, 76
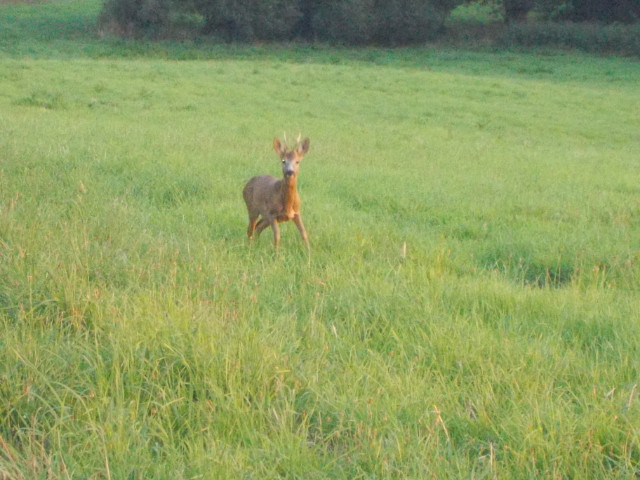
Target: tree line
351, 22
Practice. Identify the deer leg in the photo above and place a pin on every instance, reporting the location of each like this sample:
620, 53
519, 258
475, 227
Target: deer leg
252, 227
276, 232
262, 224
303, 233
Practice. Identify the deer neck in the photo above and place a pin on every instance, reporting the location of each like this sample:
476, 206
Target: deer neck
289, 192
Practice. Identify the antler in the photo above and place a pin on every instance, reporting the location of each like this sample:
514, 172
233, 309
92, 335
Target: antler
284, 140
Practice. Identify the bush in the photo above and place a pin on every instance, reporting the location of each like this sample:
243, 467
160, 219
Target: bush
230, 19
388, 22
407, 21
350, 22
588, 37
127, 18
344, 21
516, 10
250, 20
606, 11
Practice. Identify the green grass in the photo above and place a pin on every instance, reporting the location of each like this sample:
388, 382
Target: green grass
140, 336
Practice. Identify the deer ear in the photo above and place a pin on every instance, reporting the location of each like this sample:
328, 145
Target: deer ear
277, 146
303, 147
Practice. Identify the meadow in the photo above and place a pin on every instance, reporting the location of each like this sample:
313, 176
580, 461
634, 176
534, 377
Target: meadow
470, 308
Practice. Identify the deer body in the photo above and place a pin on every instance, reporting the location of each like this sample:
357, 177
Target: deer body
272, 200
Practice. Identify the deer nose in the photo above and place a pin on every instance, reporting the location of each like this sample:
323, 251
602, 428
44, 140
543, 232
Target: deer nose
288, 173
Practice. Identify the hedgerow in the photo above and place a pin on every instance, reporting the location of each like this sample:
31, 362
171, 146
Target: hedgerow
389, 22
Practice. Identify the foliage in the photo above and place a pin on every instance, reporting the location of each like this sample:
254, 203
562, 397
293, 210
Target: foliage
390, 22
480, 26
340, 21
408, 21
129, 17
344, 21
352, 22
606, 11
248, 20
516, 10
588, 37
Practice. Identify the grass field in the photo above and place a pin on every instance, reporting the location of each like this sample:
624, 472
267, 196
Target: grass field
470, 309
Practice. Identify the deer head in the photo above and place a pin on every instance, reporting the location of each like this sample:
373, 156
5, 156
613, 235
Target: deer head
290, 157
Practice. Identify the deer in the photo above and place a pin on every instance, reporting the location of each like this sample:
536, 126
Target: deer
276, 200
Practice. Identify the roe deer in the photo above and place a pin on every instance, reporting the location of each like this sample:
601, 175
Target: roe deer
277, 200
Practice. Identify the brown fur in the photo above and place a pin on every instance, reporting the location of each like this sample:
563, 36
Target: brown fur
276, 200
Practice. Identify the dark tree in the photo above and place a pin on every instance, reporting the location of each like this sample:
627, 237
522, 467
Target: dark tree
516, 10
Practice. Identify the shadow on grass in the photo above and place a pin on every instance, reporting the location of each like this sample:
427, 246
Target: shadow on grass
532, 272
523, 265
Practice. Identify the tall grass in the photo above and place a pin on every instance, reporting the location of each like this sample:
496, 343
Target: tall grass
470, 310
